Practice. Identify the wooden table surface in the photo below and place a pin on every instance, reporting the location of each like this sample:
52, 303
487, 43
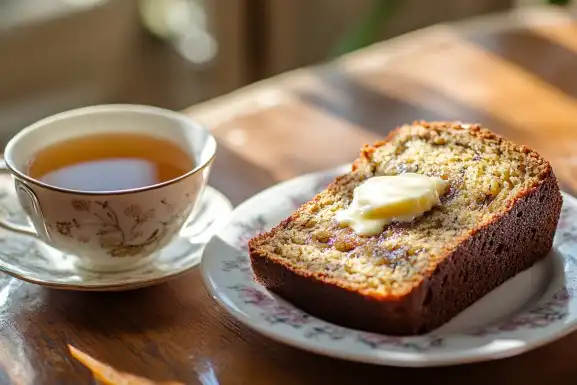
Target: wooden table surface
514, 73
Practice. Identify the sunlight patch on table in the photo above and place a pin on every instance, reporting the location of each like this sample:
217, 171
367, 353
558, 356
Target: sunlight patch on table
292, 139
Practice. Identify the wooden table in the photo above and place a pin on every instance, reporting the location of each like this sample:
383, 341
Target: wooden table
515, 73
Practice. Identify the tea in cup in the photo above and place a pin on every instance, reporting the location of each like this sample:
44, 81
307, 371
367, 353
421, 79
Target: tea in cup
110, 184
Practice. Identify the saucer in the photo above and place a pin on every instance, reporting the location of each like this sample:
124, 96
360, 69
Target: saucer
533, 308
31, 260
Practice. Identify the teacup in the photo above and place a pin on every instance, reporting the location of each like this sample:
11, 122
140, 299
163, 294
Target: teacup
96, 226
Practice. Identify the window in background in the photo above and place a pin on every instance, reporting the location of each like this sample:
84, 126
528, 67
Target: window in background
63, 54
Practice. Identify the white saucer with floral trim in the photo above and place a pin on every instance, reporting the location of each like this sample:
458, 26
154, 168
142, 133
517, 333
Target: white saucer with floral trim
31, 260
530, 310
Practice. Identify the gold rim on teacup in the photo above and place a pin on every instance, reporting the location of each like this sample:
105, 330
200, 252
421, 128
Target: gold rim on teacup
121, 107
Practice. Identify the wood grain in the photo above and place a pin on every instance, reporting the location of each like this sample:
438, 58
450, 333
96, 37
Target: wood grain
513, 73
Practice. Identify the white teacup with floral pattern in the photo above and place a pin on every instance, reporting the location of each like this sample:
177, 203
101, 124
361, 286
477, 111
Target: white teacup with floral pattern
109, 231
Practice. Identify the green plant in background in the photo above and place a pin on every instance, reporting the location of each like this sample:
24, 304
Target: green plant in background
368, 30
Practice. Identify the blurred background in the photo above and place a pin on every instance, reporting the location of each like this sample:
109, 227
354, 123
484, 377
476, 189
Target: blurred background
61, 54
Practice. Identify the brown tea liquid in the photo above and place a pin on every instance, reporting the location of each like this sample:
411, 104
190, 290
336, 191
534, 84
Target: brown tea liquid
110, 162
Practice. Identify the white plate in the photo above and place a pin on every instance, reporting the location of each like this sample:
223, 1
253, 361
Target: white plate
31, 260
532, 309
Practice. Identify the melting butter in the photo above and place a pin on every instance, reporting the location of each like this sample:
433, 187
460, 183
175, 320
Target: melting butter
382, 200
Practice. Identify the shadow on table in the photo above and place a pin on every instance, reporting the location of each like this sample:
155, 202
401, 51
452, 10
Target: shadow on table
536, 54
136, 310
381, 110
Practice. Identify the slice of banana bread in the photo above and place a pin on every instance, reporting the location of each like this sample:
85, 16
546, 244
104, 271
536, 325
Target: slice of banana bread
497, 219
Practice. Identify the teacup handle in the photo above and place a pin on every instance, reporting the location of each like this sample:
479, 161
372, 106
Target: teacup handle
30, 196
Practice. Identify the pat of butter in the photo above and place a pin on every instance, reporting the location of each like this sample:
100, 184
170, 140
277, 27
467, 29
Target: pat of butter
382, 200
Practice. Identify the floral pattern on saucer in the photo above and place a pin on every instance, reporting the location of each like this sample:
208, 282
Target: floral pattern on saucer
228, 275
31, 260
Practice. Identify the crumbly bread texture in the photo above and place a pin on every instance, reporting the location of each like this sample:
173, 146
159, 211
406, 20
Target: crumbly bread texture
497, 219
